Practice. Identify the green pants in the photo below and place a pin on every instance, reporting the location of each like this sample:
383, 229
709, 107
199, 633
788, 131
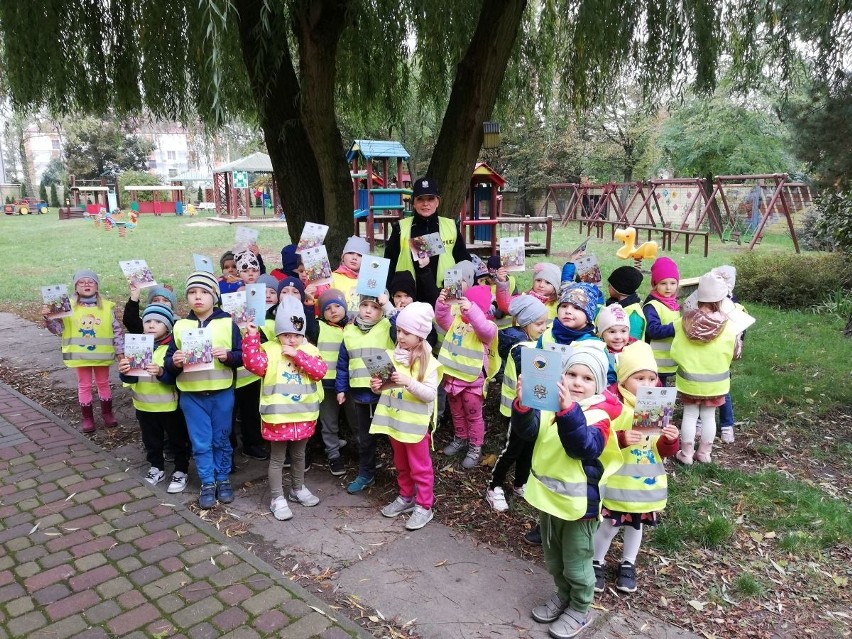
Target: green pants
568, 551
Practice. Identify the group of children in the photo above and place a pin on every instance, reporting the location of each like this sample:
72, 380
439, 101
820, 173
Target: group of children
315, 352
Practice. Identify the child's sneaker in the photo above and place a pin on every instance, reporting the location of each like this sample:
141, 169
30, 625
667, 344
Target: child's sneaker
473, 457
533, 537
727, 434
155, 475
455, 447
398, 506
519, 490
419, 518
550, 610
497, 499
178, 482
336, 467
570, 624
207, 497
600, 583
626, 580
280, 510
224, 492
360, 484
304, 496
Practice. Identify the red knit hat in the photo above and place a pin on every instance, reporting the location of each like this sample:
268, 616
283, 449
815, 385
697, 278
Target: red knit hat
481, 296
663, 268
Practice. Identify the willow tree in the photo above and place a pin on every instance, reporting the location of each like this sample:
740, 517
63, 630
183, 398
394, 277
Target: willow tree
292, 65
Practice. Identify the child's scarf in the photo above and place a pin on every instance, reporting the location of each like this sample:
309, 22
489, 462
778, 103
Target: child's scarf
669, 302
544, 299
363, 325
564, 335
348, 272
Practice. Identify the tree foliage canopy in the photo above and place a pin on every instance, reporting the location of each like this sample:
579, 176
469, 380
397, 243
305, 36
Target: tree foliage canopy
95, 147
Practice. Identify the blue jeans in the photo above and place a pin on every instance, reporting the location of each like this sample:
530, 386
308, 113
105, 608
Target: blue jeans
208, 420
726, 412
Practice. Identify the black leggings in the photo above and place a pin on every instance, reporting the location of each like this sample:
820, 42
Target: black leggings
517, 451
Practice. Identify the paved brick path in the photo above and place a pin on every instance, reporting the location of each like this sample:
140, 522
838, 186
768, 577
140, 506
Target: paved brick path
89, 551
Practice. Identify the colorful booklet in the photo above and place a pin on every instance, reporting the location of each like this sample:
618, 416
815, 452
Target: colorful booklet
235, 305
542, 371
564, 350
244, 238
197, 347
737, 315
578, 252
381, 366
202, 263
373, 276
140, 350
453, 284
138, 273
426, 246
512, 256
654, 409
317, 266
256, 303
588, 269
56, 297
312, 235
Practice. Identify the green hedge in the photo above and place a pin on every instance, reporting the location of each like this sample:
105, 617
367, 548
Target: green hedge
789, 280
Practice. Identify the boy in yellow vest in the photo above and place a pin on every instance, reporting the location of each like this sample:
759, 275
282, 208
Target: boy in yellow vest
332, 321
156, 401
623, 284
572, 457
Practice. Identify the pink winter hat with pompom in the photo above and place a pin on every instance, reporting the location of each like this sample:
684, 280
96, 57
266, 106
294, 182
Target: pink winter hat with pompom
663, 268
416, 318
481, 296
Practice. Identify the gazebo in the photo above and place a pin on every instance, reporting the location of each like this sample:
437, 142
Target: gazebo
231, 191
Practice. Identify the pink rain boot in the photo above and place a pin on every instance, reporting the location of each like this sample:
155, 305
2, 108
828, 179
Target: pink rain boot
88, 425
684, 455
703, 454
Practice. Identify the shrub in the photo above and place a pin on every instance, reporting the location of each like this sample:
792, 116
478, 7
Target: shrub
791, 281
828, 225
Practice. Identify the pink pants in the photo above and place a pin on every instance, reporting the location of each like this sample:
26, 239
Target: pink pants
414, 472
466, 410
84, 383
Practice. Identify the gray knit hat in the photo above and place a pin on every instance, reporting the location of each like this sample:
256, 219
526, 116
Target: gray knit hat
594, 359
269, 281
526, 309
290, 316
86, 274
357, 245
468, 270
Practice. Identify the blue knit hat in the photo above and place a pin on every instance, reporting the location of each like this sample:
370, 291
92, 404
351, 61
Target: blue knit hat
289, 259
161, 313
292, 281
162, 291
583, 296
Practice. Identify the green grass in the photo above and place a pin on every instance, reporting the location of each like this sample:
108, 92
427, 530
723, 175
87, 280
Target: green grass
746, 586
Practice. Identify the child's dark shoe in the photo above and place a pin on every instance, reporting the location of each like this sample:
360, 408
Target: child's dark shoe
207, 498
626, 581
360, 484
224, 492
600, 583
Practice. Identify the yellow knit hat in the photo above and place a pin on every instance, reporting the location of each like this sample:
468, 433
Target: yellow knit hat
635, 357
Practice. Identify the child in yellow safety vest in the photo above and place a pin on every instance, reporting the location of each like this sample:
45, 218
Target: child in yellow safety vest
661, 309
332, 321
574, 454
623, 283
547, 279
470, 337
613, 326
633, 496
92, 339
405, 412
155, 399
289, 401
345, 276
703, 347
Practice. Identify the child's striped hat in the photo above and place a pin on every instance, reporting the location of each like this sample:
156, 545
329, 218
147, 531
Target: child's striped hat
206, 280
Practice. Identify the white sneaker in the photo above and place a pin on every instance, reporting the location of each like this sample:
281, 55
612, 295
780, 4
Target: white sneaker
727, 434
419, 518
497, 499
155, 475
519, 490
280, 509
304, 496
178, 482
398, 506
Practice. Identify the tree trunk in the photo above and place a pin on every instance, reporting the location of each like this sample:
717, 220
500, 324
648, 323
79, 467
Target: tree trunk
478, 79
318, 25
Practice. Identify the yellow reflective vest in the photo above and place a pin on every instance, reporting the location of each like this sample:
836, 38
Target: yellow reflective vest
399, 414
448, 233
328, 344
462, 354
151, 395
220, 376
87, 336
703, 368
662, 347
557, 484
640, 485
288, 395
509, 388
244, 376
347, 286
360, 345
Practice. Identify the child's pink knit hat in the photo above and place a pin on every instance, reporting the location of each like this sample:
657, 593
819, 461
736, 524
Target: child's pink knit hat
416, 318
481, 296
663, 268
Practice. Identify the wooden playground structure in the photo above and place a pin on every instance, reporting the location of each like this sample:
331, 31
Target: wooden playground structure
232, 191
171, 200
88, 197
675, 207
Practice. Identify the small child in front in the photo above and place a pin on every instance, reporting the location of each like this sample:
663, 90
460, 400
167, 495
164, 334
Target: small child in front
623, 284
207, 396
573, 455
634, 495
156, 401
229, 281
289, 403
703, 347
406, 410
92, 338
661, 309
332, 321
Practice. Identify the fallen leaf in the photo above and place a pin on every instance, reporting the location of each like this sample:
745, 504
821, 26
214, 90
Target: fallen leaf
698, 605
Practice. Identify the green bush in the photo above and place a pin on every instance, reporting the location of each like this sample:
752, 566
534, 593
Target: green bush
791, 281
828, 225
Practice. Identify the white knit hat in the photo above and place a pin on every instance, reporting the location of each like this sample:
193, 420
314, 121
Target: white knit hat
594, 359
712, 288
612, 315
727, 273
290, 316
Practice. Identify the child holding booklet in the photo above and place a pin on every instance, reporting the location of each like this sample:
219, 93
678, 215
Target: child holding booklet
156, 295
92, 338
289, 404
702, 348
575, 453
207, 396
345, 277
405, 412
547, 279
634, 495
661, 309
229, 281
155, 399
